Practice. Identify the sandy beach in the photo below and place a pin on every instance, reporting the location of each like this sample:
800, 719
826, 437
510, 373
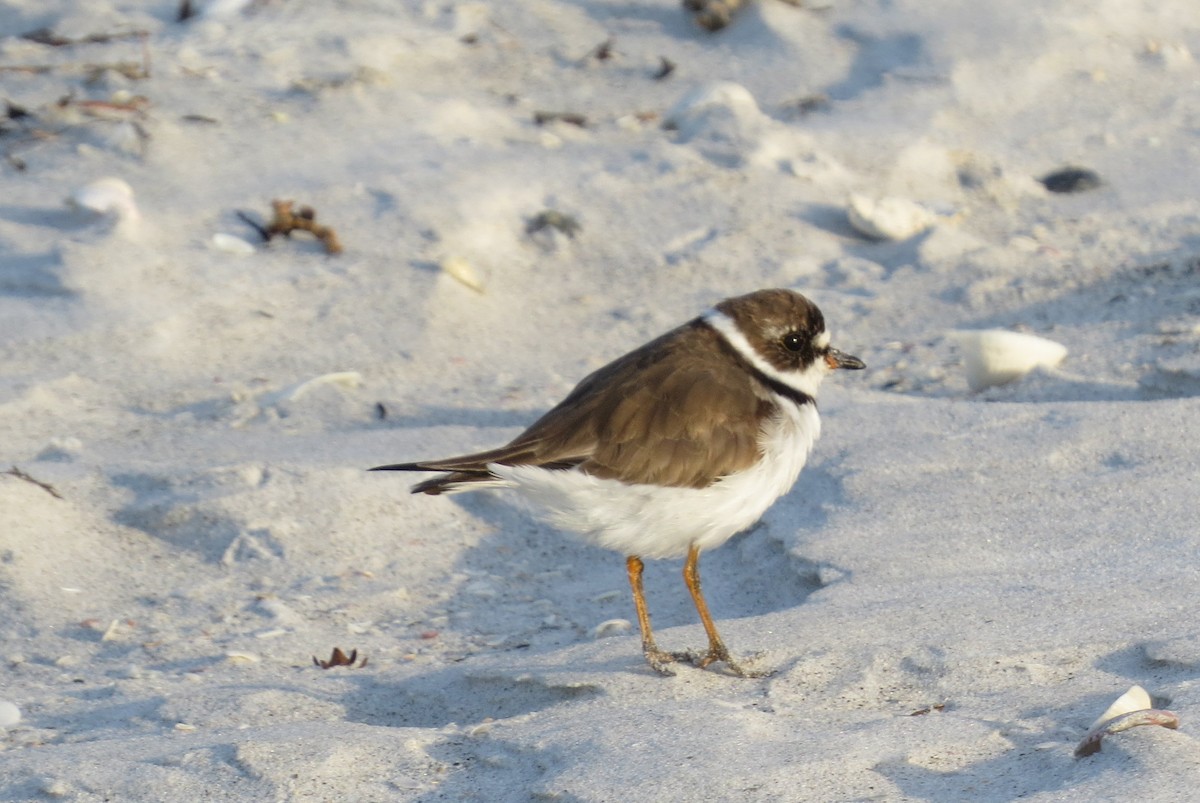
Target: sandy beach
509, 195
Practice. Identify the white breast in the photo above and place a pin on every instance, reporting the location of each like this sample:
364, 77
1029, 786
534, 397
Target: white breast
657, 522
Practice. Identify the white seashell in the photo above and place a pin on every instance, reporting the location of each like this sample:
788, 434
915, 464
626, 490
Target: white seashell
996, 356
1130, 710
274, 632
461, 270
223, 9
696, 110
113, 630
231, 244
888, 218
343, 379
235, 657
1136, 699
56, 788
9, 714
109, 197
611, 627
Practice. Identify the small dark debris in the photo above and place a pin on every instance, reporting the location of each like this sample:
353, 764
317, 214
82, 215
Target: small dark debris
381, 411
1071, 179
339, 658
200, 118
812, 103
602, 51
713, 15
470, 39
551, 219
14, 112
287, 219
45, 36
572, 118
186, 11
928, 709
665, 68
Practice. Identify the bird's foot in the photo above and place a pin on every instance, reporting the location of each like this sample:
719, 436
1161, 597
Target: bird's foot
660, 660
718, 653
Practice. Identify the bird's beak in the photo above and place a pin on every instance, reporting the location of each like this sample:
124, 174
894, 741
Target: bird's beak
836, 359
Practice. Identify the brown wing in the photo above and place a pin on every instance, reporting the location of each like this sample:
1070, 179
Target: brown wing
680, 425
675, 412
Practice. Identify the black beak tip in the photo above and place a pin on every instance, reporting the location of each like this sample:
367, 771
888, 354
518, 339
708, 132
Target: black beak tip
853, 363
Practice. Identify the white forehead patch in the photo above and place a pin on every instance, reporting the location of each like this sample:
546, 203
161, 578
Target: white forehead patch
821, 341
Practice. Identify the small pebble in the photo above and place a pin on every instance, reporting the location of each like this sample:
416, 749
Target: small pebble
1071, 179
231, 244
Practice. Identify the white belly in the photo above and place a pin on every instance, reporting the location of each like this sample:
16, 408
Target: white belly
656, 522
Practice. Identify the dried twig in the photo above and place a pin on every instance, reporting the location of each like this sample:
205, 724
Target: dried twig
304, 219
339, 658
46, 36
45, 486
929, 709
132, 70
32, 69
573, 118
107, 109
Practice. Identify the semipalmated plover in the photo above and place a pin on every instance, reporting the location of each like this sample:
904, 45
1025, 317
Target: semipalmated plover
675, 447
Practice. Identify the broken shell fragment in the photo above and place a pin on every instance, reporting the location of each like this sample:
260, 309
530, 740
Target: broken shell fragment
889, 218
1136, 699
1130, 710
611, 627
996, 356
10, 715
461, 271
106, 197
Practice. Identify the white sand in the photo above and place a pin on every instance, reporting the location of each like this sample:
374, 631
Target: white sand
1008, 562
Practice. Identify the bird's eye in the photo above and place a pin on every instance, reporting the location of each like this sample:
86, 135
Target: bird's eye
793, 341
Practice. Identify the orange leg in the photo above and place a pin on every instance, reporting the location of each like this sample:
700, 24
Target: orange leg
717, 651
654, 656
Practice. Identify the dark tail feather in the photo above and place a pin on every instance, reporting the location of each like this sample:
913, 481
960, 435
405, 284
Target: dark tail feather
453, 481
402, 467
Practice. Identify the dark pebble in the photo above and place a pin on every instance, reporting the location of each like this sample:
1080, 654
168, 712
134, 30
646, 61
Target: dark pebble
1071, 179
